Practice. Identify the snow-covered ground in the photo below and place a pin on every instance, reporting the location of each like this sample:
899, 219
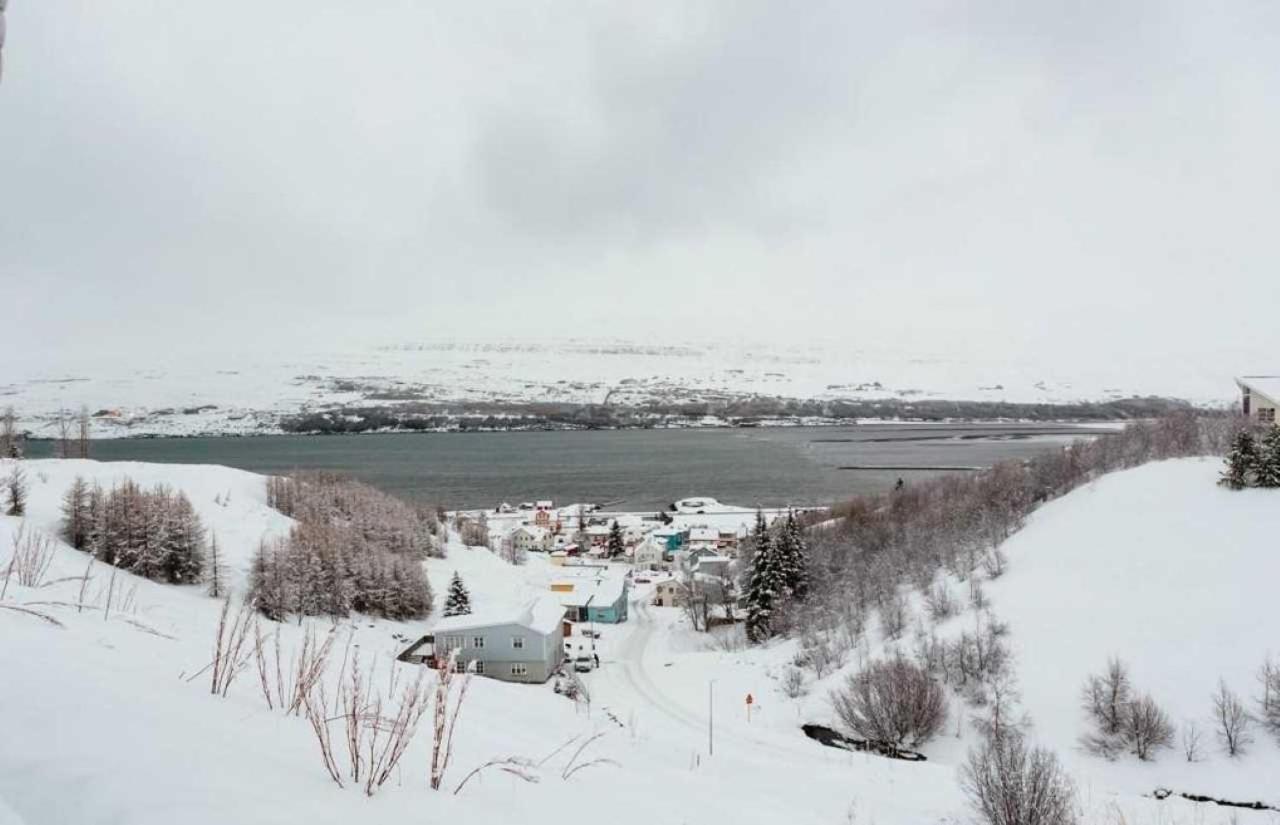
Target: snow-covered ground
248, 394
101, 724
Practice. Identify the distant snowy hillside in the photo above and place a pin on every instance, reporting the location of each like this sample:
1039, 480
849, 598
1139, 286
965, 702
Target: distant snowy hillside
1176, 576
235, 394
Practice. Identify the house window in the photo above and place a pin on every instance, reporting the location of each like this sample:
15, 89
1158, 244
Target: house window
1267, 415
459, 666
517, 642
479, 667
477, 641
519, 670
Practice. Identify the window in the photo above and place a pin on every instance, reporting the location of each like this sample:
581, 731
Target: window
1267, 415
519, 670
479, 667
459, 666
517, 642
477, 641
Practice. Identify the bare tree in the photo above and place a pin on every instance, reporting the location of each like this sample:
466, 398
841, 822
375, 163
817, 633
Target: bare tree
82, 435
1105, 697
10, 439
1147, 727
216, 572
892, 703
1269, 699
1232, 720
1009, 784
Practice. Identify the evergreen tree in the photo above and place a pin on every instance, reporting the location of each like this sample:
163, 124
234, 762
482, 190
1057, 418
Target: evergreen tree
1240, 461
458, 602
616, 546
1267, 465
793, 558
765, 590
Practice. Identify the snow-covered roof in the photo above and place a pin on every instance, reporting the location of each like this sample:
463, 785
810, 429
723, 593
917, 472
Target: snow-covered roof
545, 504
541, 615
1268, 385
703, 534
600, 592
532, 529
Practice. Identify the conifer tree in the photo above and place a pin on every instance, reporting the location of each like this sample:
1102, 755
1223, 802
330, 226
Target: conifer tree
16, 485
75, 514
217, 570
765, 589
616, 545
793, 557
1240, 461
1267, 466
458, 602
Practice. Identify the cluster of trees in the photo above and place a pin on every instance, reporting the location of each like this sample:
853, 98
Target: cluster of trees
1252, 461
778, 575
955, 523
153, 533
1125, 719
10, 438
14, 488
1122, 717
353, 548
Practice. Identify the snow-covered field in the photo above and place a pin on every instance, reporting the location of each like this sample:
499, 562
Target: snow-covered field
101, 724
248, 394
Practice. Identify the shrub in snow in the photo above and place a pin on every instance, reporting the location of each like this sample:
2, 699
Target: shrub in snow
1010, 784
940, 602
793, 682
1105, 697
892, 703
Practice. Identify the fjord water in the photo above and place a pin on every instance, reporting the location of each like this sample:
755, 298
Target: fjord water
632, 469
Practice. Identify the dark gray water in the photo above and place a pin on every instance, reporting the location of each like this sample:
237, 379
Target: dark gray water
636, 469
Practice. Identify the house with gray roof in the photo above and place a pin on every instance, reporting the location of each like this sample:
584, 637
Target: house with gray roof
515, 645
1260, 398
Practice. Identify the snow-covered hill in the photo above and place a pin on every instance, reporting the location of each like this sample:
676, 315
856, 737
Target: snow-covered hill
250, 394
111, 720
1172, 574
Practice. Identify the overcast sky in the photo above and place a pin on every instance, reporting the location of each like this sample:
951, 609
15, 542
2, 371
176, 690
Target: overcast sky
1059, 177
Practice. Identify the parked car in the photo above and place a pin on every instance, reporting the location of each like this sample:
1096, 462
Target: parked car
582, 664
643, 581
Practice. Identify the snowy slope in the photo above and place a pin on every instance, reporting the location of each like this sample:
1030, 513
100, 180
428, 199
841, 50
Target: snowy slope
1176, 576
227, 393
102, 724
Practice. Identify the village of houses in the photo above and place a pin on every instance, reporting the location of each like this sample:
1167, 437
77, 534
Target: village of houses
592, 566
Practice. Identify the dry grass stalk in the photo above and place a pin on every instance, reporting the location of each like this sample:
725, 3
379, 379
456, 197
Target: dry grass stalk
29, 612
32, 557
229, 653
400, 730
310, 667
517, 766
314, 708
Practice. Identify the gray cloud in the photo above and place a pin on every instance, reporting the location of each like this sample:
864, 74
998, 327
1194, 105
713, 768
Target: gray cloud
1060, 178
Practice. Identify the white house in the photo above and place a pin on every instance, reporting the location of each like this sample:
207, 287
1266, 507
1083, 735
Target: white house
650, 554
1259, 397
530, 537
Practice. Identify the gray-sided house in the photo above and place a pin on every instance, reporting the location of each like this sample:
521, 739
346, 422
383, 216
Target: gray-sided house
520, 645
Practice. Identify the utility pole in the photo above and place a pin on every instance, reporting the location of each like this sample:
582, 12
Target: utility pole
711, 718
